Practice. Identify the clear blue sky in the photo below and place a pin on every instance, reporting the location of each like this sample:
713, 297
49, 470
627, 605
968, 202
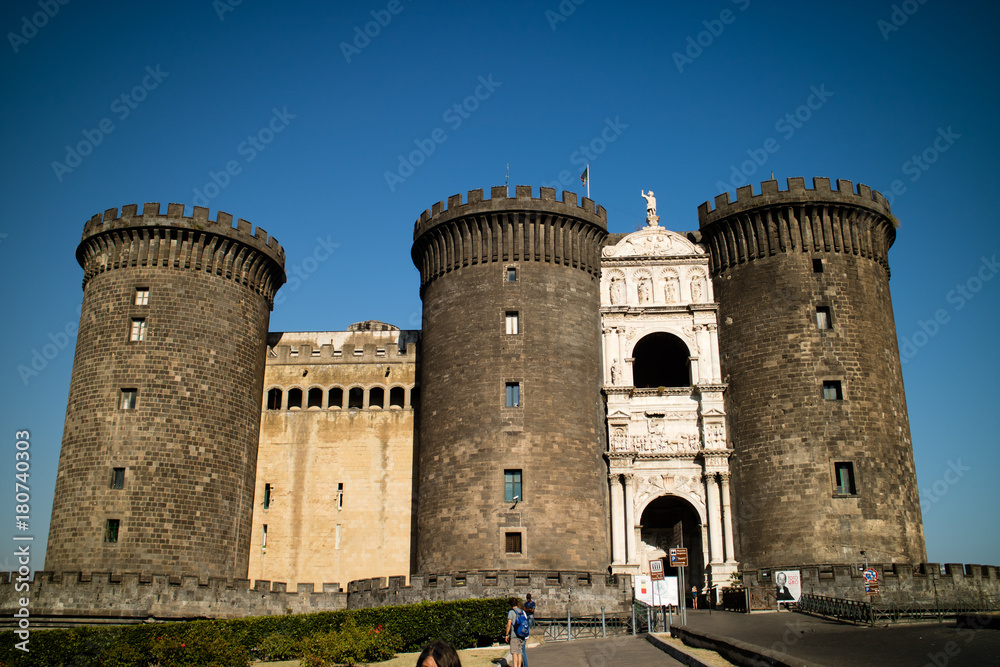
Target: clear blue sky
533, 83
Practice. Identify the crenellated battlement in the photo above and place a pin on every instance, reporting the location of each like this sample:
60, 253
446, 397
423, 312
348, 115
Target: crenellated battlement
796, 193
500, 200
150, 239
199, 220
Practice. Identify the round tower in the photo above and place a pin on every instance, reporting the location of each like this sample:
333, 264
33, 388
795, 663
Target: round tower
159, 451
511, 474
823, 464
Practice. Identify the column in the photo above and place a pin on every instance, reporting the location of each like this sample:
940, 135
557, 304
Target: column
713, 331
626, 367
727, 518
714, 518
617, 516
704, 354
630, 533
609, 354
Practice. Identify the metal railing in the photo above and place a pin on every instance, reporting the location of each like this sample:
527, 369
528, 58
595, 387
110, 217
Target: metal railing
641, 619
855, 611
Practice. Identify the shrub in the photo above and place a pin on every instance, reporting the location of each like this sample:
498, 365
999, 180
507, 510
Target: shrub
198, 644
277, 646
349, 646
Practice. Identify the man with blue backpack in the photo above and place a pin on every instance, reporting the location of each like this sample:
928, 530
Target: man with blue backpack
517, 632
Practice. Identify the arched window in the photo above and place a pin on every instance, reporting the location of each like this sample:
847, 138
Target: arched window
335, 399
415, 398
376, 397
356, 398
274, 399
661, 360
295, 399
397, 397
315, 398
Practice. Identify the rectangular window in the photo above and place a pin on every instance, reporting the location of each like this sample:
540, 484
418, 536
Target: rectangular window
844, 472
832, 390
512, 486
511, 274
824, 318
512, 323
111, 530
340, 496
817, 266
512, 543
138, 331
118, 478
336, 544
128, 398
513, 395
142, 296
267, 496
263, 536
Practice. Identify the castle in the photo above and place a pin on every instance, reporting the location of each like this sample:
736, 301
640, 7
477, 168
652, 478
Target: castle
576, 401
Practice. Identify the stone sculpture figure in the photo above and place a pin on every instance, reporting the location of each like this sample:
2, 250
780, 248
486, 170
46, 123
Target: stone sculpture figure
650, 203
617, 291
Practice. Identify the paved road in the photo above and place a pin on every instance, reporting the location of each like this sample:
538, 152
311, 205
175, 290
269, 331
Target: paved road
610, 652
834, 644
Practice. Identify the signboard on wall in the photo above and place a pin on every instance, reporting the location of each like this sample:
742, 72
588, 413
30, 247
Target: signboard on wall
788, 584
666, 590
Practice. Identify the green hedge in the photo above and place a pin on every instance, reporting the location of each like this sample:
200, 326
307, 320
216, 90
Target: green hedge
464, 623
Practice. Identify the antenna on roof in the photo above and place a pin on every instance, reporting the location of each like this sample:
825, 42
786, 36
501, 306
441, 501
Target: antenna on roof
506, 180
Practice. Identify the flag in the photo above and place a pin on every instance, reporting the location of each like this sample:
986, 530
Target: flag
585, 176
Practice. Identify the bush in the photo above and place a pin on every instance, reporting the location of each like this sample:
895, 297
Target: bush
349, 646
198, 644
277, 646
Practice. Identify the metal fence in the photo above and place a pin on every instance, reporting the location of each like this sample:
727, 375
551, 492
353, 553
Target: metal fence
866, 613
641, 619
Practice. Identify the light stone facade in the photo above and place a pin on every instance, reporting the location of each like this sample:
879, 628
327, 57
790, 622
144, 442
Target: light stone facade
335, 475
667, 448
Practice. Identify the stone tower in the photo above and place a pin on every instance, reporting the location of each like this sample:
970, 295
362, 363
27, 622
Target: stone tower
159, 451
823, 463
511, 474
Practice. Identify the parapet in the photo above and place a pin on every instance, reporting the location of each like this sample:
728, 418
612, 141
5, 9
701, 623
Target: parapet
797, 193
175, 218
500, 200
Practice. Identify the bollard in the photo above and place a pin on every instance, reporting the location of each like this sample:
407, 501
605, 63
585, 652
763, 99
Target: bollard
633, 620
604, 629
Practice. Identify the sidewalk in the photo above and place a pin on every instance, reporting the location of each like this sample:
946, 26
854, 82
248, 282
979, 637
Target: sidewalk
833, 644
627, 651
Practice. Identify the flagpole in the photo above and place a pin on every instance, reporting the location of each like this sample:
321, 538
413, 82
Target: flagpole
588, 180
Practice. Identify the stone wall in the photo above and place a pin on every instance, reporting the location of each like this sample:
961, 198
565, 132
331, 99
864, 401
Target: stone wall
898, 582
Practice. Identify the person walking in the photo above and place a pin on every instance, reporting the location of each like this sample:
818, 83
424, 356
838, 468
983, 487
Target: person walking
529, 609
514, 619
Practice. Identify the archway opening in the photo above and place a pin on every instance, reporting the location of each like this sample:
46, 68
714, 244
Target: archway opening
661, 360
668, 522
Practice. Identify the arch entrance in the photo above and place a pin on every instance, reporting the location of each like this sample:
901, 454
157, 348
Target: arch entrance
671, 521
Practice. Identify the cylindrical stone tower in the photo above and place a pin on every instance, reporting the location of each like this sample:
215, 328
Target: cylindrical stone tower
823, 465
511, 474
159, 450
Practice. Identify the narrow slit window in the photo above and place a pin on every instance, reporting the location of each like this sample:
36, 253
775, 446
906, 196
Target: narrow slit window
138, 330
817, 266
118, 478
844, 472
128, 399
512, 543
512, 322
824, 318
513, 395
263, 536
340, 495
832, 390
267, 496
111, 530
142, 296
